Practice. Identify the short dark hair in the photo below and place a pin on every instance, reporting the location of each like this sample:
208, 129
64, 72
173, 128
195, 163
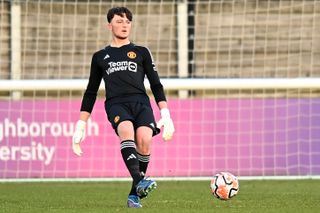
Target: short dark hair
120, 11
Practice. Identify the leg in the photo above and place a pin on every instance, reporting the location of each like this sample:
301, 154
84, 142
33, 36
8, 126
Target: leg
121, 118
129, 154
145, 130
143, 142
143, 139
128, 149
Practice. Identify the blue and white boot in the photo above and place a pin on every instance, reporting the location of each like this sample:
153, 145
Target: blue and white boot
134, 201
145, 186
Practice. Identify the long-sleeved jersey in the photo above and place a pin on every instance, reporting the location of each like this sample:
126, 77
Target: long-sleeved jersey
123, 70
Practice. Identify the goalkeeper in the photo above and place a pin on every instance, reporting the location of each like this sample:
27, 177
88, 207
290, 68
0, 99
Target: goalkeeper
123, 66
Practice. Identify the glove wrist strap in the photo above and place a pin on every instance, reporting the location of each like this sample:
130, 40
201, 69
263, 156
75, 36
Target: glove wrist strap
81, 124
165, 113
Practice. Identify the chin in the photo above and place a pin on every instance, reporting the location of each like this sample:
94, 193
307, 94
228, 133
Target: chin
122, 37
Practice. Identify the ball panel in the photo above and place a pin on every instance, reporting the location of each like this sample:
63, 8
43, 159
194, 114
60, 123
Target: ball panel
233, 192
223, 192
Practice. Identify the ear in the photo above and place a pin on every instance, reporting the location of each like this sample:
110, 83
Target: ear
109, 26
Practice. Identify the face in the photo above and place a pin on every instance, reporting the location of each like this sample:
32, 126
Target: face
120, 27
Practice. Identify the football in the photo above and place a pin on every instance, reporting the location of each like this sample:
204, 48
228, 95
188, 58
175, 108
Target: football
224, 185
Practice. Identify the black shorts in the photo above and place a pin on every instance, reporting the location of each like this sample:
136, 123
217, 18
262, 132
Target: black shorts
138, 113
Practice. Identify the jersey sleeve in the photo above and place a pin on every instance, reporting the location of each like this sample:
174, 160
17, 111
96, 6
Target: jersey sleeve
153, 77
90, 95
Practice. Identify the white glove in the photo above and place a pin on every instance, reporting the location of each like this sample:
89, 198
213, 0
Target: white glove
167, 123
78, 137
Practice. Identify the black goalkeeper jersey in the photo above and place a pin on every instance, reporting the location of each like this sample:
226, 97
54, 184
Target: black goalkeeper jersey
123, 70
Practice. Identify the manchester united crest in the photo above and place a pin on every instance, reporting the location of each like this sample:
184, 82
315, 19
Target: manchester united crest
131, 55
116, 119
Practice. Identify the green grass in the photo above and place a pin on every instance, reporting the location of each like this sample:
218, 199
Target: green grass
170, 196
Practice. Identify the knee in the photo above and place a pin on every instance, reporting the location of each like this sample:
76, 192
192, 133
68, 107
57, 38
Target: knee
144, 145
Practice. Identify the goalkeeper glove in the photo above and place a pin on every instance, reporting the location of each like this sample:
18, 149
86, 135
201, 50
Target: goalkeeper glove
78, 137
167, 123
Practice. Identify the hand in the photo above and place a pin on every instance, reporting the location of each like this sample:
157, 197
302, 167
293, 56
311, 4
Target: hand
78, 137
167, 123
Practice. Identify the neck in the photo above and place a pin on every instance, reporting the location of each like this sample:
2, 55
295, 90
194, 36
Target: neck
119, 42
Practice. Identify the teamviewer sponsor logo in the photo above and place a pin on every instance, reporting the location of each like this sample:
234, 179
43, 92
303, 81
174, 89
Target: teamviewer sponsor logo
132, 66
121, 66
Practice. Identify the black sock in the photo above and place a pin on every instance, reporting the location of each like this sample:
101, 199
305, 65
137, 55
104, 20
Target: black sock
143, 164
130, 158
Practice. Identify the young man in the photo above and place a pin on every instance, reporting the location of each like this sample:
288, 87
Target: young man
123, 67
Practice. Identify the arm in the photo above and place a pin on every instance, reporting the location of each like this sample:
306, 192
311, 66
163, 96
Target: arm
84, 116
87, 104
162, 104
158, 92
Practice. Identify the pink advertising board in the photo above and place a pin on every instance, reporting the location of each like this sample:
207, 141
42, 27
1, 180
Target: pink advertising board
244, 136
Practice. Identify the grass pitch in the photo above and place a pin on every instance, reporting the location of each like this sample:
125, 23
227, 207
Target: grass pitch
170, 197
